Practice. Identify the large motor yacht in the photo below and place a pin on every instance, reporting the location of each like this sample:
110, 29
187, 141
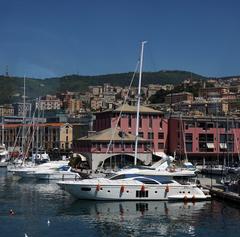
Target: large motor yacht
133, 187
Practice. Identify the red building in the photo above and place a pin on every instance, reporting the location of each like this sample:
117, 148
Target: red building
210, 138
152, 125
120, 127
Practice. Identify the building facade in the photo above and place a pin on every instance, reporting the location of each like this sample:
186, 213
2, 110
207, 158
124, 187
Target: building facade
110, 126
178, 97
205, 138
45, 136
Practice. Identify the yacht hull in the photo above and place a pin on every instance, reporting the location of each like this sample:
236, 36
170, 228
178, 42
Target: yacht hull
56, 176
133, 192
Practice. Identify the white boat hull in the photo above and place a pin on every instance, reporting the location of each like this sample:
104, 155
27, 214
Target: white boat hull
133, 192
56, 176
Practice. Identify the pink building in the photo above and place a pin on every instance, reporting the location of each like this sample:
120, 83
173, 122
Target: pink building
109, 126
207, 138
152, 125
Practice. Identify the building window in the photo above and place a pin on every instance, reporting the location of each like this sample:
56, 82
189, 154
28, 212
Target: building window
161, 124
66, 130
150, 135
119, 123
188, 136
129, 121
189, 146
204, 137
150, 122
160, 145
141, 134
160, 135
140, 121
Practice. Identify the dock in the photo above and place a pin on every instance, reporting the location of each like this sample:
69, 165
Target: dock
219, 191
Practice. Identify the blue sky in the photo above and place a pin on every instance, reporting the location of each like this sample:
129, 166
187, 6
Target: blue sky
48, 38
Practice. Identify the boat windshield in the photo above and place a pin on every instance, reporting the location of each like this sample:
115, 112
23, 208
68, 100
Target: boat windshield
146, 180
120, 176
158, 179
64, 168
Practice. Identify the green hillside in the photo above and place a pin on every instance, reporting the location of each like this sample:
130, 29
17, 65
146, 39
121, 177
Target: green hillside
11, 88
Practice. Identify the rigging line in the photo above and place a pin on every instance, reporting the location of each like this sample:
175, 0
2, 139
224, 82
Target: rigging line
235, 138
184, 140
29, 142
120, 114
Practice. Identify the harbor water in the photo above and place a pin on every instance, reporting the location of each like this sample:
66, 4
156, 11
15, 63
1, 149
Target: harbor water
43, 209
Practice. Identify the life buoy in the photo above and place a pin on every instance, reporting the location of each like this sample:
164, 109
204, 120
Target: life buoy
98, 187
142, 188
167, 189
122, 189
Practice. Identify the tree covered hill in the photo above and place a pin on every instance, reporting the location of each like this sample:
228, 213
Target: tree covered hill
11, 88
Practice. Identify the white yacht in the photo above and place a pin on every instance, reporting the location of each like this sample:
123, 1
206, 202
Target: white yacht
136, 183
3, 154
61, 173
164, 168
133, 187
29, 171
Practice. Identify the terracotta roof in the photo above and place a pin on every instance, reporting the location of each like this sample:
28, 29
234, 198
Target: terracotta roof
107, 135
15, 125
133, 109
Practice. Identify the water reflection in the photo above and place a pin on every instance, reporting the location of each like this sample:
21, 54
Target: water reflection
156, 218
34, 202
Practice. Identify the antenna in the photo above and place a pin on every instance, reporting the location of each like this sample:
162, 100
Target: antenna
6, 73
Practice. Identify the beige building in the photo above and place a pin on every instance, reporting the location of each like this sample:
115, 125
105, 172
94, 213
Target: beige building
96, 104
50, 135
49, 102
152, 89
66, 136
178, 97
6, 110
73, 106
95, 90
213, 92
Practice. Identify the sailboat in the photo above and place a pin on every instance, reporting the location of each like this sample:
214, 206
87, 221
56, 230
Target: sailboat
3, 150
3, 155
134, 186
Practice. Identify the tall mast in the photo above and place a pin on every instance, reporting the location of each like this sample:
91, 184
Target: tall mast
138, 101
24, 114
2, 128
